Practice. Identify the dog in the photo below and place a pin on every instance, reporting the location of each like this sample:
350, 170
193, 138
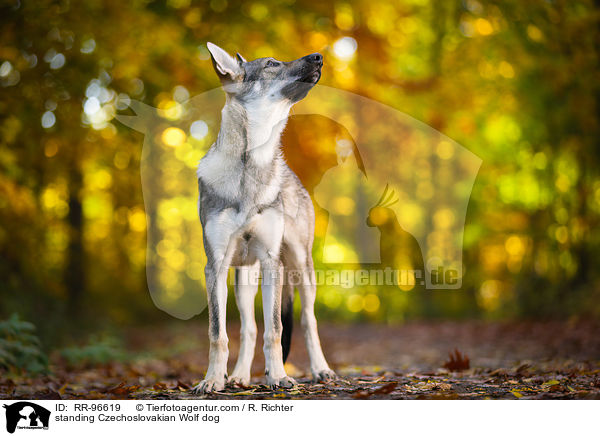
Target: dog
257, 217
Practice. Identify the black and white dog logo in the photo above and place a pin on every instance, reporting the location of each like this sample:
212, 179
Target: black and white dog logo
26, 415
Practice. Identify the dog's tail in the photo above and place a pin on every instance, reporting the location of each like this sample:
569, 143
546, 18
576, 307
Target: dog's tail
287, 318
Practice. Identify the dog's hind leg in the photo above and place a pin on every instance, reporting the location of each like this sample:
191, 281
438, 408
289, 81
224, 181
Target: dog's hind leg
271, 293
308, 291
287, 311
269, 234
246, 286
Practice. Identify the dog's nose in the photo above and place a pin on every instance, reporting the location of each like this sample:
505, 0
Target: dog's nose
316, 58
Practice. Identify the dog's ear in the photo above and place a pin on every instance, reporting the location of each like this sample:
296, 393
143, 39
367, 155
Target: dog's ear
226, 67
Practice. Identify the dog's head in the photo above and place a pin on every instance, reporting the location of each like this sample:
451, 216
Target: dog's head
266, 79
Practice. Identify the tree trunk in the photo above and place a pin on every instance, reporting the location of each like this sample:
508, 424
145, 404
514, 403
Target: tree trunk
74, 276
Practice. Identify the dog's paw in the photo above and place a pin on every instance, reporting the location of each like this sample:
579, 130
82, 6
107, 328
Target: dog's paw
324, 375
239, 380
207, 386
282, 382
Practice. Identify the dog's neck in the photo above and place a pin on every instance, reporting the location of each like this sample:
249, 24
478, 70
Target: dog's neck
252, 130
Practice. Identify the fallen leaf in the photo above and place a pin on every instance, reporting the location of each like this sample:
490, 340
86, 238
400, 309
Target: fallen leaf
500, 372
442, 386
234, 394
362, 394
93, 395
441, 396
182, 386
377, 380
558, 388
385, 389
122, 389
457, 361
47, 394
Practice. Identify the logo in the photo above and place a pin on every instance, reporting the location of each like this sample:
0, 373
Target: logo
26, 415
392, 193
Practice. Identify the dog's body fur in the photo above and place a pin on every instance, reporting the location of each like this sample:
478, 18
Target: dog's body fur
257, 216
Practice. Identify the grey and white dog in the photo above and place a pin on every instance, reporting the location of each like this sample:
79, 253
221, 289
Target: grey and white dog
257, 217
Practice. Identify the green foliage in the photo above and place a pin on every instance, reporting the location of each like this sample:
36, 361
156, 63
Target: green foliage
98, 351
20, 348
516, 82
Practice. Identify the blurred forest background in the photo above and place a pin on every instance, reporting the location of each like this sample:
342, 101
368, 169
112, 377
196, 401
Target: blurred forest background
514, 82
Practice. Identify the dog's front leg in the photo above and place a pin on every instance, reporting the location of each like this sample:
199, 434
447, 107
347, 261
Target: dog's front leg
216, 284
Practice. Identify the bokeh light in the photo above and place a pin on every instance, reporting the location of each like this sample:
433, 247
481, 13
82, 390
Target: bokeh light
516, 92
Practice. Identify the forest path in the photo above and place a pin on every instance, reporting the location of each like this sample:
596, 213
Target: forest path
537, 360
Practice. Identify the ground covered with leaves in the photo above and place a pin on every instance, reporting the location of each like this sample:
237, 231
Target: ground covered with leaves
450, 360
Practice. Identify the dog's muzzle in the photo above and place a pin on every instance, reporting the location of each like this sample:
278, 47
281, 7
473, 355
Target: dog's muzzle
315, 62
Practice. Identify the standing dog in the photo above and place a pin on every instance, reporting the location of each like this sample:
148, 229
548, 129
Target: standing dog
257, 217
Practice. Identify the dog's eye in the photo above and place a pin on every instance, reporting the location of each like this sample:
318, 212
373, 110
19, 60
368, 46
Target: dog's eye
271, 63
